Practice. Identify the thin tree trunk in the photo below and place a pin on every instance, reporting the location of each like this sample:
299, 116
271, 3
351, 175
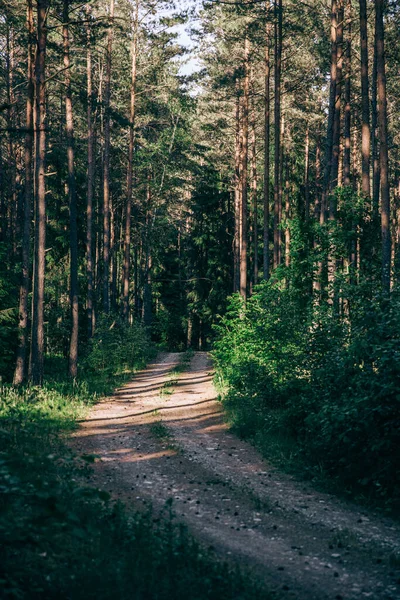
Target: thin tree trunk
337, 110
91, 176
365, 130
69, 130
267, 127
244, 161
375, 149
21, 362
277, 129
129, 186
307, 174
347, 100
331, 113
383, 143
237, 181
106, 165
254, 192
37, 346
317, 205
287, 211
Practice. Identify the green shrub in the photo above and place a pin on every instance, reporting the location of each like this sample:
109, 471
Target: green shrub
116, 347
329, 384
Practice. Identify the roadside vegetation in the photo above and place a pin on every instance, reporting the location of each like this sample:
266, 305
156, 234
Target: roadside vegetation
61, 539
315, 392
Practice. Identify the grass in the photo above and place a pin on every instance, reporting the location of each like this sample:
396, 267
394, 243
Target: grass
60, 539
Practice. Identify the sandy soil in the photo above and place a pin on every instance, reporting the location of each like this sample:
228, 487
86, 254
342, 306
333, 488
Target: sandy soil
153, 446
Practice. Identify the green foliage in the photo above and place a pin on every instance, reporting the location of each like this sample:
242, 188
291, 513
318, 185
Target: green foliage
329, 385
62, 540
116, 347
8, 315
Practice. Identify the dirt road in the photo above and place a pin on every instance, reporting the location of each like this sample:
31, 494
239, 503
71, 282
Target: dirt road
154, 446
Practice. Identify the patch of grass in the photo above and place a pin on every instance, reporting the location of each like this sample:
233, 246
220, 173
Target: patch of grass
59, 539
160, 431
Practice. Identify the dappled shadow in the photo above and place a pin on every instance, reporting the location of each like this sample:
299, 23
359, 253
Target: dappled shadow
149, 412
132, 389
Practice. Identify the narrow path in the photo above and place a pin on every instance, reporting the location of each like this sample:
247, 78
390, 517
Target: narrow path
303, 544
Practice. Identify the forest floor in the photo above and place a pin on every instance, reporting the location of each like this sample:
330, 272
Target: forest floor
162, 438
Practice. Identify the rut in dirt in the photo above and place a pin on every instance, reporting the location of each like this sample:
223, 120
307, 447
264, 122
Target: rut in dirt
155, 446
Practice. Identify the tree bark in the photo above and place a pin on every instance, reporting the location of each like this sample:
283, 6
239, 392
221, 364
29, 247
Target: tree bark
277, 129
254, 192
129, 186
37, 346
337, 110
244, 162
73, 228
21, 362
90, 178
267, 127
307, 174
106, 163
365, 129
347, 100
383, 143
331, 114
375, 143
238, 192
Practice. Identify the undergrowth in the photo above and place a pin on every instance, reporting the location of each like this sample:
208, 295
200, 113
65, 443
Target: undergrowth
60, 539
317, 393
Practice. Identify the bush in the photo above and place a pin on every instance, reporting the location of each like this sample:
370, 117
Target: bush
330, 385
116, 347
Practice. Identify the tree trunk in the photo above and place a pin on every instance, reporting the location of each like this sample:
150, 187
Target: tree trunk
129, 185
287, 211
337, 110
331, 113
244, 161
347, 100
277, 129
266, 153
254, 192
365, 130
90, 178
106, 164
375, 150
21, 363
307, 174
383, 142
69, 130
238, 192
37, 346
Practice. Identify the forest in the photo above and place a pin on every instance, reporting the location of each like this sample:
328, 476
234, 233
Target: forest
183, 178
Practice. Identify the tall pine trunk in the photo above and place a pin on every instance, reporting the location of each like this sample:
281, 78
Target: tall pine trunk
37, 345
277, 130
383, 143
106, 163
365, 126
244, 168
347, 100
21, 363
331, 114
90, 178
73, 227
129, 186
238, 192
267, 128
